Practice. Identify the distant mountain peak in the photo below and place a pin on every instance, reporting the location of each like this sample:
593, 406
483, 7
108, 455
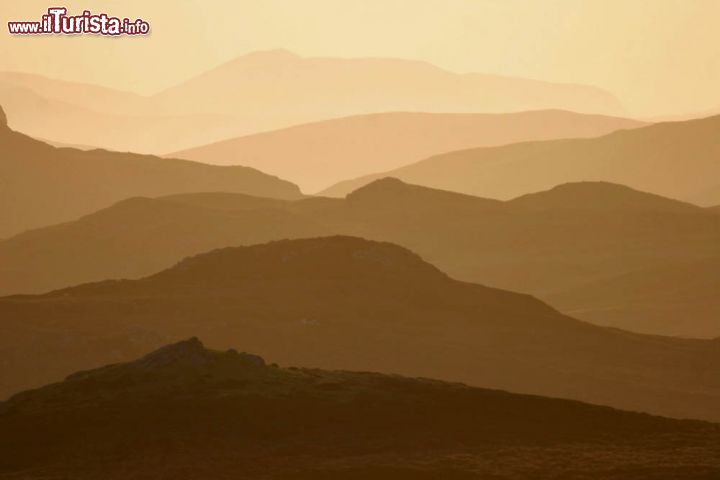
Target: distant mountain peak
285, 260
192, 352
597, 195
391, 191
385, 183
597, 185
185, 355
391, 186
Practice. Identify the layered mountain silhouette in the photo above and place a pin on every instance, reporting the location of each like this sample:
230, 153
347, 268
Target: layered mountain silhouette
677, 297
567, 245
266, 91
43, 185
318, 155
677, 160
185, 411
279, 88
349, 303
70, 113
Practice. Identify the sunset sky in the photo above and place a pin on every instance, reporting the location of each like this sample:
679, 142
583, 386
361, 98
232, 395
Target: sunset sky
658, 56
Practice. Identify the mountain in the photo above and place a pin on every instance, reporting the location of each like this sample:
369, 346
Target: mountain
83, 95
677, 297
551, 244
320, 154
274, 89
79, 114
677, 160
269, 90
601, 196
139, 236
349, 303
44, 185
185, 411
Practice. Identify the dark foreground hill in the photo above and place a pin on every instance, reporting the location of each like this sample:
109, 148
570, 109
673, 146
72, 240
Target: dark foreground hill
42, 185
187, 412
349, 303
556, 244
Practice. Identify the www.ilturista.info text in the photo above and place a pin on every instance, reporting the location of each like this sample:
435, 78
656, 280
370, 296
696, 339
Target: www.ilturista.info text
57, 21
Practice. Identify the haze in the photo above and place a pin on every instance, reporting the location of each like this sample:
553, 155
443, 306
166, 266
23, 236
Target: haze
639, 51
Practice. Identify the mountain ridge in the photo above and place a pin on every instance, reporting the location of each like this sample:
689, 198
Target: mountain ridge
270, 90
348, 303
321, 153
649, 158
53, 185
252, 419
547, 248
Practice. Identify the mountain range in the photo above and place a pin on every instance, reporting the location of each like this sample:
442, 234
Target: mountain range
675, 159
601, 252
278, 88
266, 91
320, 154
349, 303
67, 113
184, 411
43, 185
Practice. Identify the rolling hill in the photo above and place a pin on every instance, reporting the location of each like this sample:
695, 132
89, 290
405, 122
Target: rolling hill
44, 185
677, 160
185, 411
349, 303
320, 154
555, 244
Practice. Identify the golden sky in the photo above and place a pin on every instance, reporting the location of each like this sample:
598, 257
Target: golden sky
658, 56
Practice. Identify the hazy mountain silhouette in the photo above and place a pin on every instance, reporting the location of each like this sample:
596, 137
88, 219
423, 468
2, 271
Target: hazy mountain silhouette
550, 244
139, 236
44, 185
184, 411
79, 114
678, 160
679, 117
343, 302
680, 298
265, 91
319, 154
84, 95
276, 88
605, 196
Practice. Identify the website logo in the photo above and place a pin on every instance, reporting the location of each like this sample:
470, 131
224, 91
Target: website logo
58, 22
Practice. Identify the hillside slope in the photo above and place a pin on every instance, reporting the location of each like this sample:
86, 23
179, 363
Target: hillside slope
678, 160
277, 88
184, 411
549, 244
81, 114
44, 185
269, 90
320, 154
348, 303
